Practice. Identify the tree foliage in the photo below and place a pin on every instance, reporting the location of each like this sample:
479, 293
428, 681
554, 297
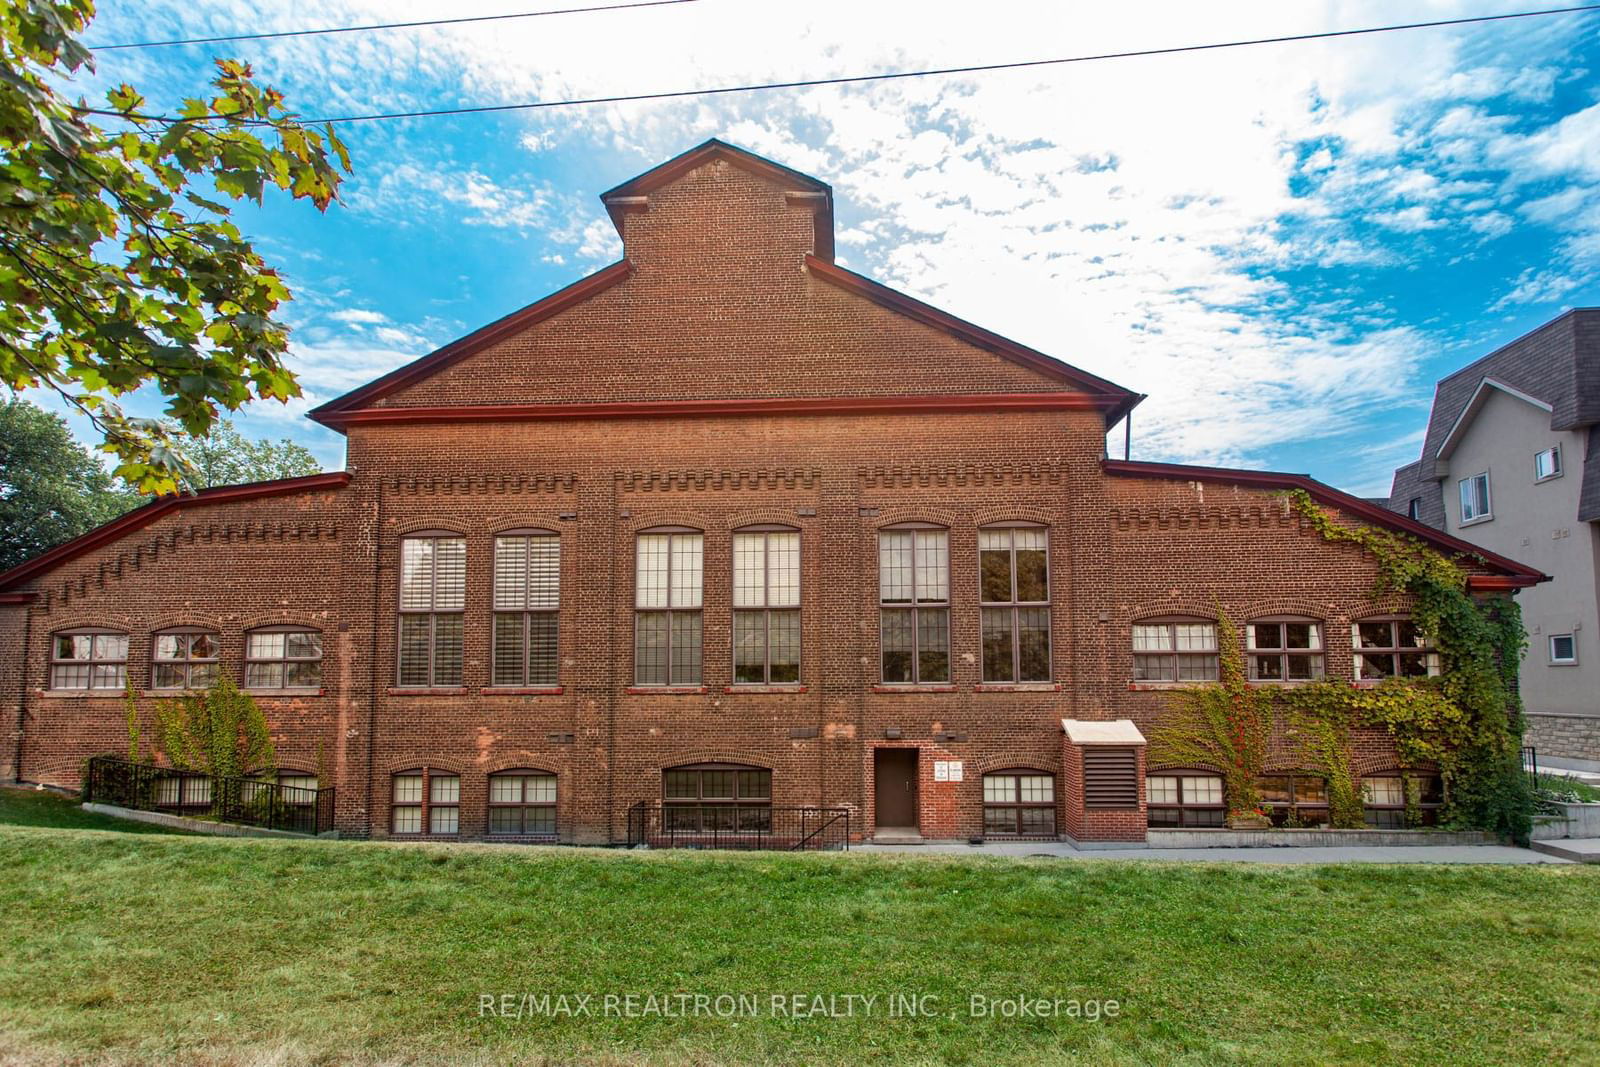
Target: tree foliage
227, 457
119, 264
51, 488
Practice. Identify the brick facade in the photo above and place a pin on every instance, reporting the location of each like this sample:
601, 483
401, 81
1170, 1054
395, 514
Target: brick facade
846, 409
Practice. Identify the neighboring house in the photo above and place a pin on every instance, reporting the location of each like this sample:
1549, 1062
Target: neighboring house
721, 531
1511, 462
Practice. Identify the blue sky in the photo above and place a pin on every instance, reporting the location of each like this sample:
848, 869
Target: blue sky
1284, 246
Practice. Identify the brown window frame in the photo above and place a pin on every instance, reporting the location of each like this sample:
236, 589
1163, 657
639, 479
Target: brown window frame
1393, 650
1013, 608
285, 660
1174, 655
432, 613
766, 611
1216, 814
915, 607
1317, 653
425, 807
523, 806
1279, 811
671, 614
186, 663
550, 615
1393, 816
738, 804
92, 662
1017, 806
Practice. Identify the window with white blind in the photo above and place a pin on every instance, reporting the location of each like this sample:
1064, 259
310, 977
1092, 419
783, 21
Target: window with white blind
914, 604
1175, 650
433, 594
527, 599
1014, 589
766, 606
667, 601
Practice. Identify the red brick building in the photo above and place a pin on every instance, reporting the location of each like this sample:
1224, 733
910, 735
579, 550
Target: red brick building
725, 527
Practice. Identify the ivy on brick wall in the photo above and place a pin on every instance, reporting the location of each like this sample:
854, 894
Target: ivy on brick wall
1467, 722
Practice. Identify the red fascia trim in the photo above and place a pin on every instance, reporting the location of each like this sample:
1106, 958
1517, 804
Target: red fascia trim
139, 518
665, 409
17, 598
972, 333
1516, 575
328, 414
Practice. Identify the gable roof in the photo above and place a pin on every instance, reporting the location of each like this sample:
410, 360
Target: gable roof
1475, 404
139, 518
622, 199
1510, 574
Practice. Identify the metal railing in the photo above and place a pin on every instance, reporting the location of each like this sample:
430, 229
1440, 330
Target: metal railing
244, 801
753, 827
1530, 763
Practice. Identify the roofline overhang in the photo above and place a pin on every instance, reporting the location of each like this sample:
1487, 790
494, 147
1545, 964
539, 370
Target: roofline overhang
141, 517
1513, 575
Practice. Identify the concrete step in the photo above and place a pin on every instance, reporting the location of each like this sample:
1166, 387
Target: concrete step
1577, 849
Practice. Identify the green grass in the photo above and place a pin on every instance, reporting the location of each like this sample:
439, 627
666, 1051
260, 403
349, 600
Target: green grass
1580, 792
122, 948
26, 806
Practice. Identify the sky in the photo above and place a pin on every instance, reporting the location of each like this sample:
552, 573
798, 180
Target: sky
1284, 245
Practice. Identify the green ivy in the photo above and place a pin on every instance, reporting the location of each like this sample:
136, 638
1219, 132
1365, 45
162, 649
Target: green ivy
220, 731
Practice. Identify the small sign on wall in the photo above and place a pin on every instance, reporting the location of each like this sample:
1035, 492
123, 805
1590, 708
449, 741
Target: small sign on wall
947, 770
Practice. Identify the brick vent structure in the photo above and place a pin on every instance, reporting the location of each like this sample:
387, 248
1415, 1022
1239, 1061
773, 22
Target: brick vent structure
725, 373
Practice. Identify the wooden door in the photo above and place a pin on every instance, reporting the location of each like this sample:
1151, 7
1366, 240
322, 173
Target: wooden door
895, 774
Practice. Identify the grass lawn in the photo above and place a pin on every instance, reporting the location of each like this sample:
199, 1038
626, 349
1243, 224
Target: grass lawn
115, 947
26, 806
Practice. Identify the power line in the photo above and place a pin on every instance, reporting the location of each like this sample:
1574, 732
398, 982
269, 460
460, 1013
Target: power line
383, 26
945, 71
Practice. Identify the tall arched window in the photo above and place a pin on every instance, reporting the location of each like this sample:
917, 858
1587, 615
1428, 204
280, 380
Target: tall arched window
433, 595
1014, 590
667, 598
527, 602
914, 603
766, 605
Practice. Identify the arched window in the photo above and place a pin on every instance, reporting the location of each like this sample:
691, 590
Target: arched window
184, 658
1019, 803
1394, 800
425, 801
433, 594
669, 565
527, 602
1177, 798
522, 803
1392, 648
717, 796
89, 659
1295, 799
1284, 649
1176, 649
766, 605
1014, 591
283, 657
914, 603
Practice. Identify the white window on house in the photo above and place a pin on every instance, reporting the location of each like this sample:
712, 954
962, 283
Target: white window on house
527, 600
1475, 498
1563, 649
1547, 464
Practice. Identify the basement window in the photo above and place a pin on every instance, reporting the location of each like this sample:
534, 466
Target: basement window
1184, 798
1019, 803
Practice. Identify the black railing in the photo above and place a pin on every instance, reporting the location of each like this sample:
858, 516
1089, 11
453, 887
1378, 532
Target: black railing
245, 801
738, 826
1530, 763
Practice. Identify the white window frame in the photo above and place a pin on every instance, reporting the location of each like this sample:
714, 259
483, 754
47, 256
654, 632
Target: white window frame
1555, 661
1554, 452
1467, 488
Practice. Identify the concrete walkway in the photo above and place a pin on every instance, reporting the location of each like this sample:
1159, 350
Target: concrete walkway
1353, 854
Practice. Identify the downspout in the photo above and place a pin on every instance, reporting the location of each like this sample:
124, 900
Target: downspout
372, 712
22, 688
1127, 435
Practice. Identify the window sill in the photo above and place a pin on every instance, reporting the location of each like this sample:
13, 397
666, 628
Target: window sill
527, 691
1157, 687
169, 692
890, 687
1479, 521
302, 692
1017, 687
1548, 477
666, 690
750, 688
81, 694
425, 691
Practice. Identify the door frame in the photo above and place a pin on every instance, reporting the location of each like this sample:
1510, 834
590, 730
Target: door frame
916, 787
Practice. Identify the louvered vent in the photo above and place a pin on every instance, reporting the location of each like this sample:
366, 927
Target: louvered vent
1110, 778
